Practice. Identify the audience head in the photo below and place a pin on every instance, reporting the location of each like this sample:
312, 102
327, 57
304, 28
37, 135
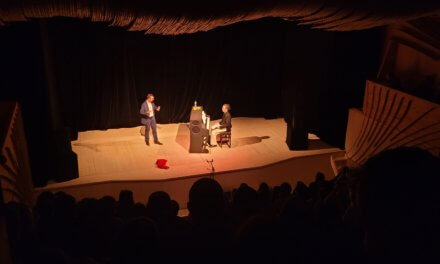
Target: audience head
126, 197
264, 192
276, 193
159, 205
263, 188
107, 206
64, 205
301, 188
399, 201
175, 207
285, 189
206, 199
245, 199
44, 204
319, 177
125, 204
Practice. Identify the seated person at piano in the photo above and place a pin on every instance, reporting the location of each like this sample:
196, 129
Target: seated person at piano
224, 124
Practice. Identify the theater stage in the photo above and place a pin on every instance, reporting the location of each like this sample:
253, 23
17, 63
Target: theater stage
114, 159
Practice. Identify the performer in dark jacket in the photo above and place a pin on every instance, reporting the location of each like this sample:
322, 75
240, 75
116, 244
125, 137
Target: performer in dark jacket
224, 124
147, 112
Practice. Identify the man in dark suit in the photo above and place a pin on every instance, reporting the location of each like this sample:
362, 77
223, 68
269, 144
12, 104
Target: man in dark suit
147, 112
225, 124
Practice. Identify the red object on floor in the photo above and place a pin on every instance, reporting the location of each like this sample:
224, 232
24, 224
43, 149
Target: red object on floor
162, 164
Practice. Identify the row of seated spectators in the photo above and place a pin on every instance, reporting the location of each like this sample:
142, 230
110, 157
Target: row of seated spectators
386, 210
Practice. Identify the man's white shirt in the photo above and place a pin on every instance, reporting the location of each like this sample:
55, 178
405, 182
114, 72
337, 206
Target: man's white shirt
150, 108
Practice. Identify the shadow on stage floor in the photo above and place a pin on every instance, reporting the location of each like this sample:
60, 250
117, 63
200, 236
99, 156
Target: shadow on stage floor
182, 138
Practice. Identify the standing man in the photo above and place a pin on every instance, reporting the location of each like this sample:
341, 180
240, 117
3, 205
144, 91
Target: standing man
224, 124
147, 112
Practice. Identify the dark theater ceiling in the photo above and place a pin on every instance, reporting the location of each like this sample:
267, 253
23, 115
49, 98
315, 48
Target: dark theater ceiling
188, 16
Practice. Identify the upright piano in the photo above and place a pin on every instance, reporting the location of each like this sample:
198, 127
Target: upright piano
200, 130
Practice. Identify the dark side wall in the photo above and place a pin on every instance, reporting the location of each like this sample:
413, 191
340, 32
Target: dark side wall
410, 59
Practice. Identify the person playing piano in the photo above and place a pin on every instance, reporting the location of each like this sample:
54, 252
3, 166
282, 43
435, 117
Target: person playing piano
147, 112
224, 124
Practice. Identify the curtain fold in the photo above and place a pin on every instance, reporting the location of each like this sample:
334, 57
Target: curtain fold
103, 75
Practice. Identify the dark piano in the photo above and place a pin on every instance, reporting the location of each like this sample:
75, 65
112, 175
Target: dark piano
199, 127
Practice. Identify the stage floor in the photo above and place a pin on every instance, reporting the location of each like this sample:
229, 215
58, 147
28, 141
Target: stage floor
122, 155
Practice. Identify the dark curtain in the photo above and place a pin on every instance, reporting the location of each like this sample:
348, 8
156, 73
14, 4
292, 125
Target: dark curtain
103, 74
22, 80
268, 68
306, 60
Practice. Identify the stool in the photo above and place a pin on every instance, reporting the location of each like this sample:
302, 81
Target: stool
224, 138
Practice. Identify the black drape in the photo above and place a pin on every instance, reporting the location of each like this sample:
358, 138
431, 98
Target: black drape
22, 79
268, 68
307, 58
103, 74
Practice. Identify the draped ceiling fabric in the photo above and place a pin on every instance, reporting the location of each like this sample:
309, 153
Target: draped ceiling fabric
180, 17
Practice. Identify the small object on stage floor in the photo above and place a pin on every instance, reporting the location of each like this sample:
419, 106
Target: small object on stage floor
162, 164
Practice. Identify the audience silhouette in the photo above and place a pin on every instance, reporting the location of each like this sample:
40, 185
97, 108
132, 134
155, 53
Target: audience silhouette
385, 211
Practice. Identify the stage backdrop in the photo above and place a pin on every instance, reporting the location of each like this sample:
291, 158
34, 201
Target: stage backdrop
83, 75
103, 74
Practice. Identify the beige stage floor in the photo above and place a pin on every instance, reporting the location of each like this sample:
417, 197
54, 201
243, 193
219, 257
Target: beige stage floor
121, 154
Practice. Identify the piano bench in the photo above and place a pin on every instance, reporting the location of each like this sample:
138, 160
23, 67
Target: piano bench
224, 138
